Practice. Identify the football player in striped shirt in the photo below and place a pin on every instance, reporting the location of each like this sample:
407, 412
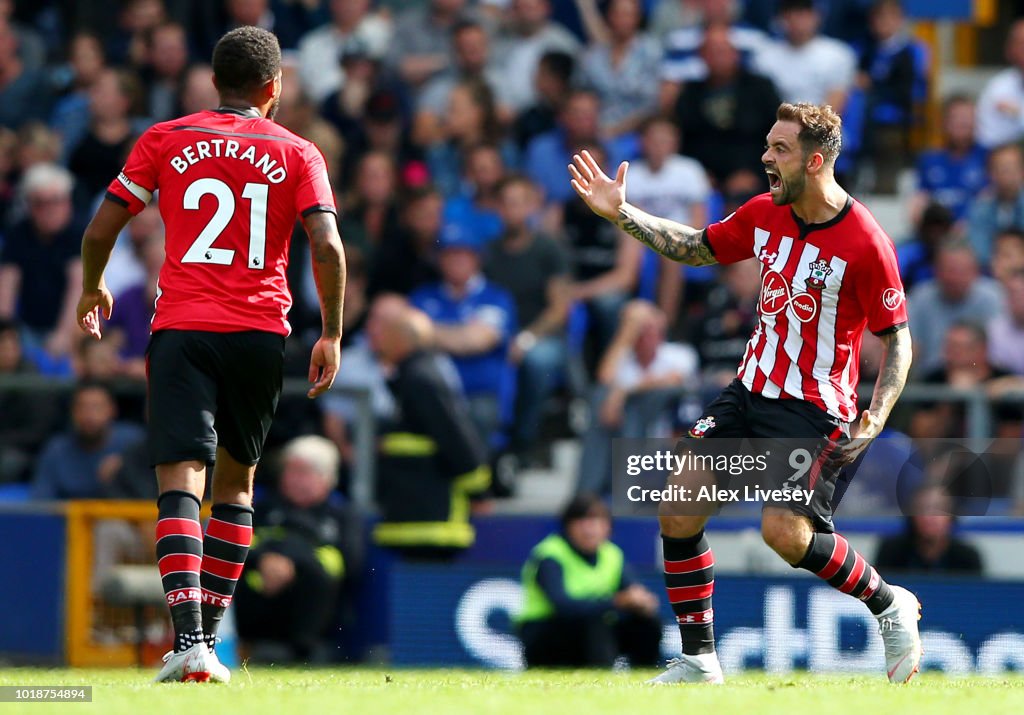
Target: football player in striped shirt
828, 272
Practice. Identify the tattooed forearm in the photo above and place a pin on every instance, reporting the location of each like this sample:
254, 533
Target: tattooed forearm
328, 269
893, 373
672, 240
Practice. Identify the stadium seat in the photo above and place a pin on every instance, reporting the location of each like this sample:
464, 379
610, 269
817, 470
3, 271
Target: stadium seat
853, 131
134, 587
15, 493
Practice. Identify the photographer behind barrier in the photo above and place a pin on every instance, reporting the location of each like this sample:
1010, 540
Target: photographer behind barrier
582, 607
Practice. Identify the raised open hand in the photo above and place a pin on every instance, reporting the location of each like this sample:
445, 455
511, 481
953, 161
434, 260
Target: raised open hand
602, 194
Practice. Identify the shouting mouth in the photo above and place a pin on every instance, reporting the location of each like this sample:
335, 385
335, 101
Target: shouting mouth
774, 180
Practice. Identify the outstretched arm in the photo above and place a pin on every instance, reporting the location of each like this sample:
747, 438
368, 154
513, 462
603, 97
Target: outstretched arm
607, 198
676, 241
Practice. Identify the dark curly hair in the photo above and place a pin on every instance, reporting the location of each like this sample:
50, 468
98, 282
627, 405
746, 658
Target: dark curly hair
245, 59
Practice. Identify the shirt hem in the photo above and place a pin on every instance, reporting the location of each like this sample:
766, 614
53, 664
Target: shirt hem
282, 330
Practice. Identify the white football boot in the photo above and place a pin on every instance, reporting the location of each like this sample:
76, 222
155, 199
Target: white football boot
219, 672
192, 665
898, 627
703, 668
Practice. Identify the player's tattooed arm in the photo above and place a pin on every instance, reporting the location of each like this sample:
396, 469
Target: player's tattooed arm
328, 268
892, 376
680, 243
606, 196
896, 359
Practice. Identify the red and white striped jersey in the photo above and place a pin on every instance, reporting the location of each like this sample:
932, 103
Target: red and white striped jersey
821, 284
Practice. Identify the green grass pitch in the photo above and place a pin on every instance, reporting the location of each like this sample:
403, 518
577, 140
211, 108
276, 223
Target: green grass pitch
279, 691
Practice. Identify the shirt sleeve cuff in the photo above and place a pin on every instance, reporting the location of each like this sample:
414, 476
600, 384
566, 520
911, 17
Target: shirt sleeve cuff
895, 328
111, 196
706, 240
326, 208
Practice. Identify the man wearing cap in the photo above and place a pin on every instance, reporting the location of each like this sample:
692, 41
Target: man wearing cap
474, 323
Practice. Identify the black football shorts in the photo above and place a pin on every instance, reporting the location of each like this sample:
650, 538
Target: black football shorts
209, 390
777, 428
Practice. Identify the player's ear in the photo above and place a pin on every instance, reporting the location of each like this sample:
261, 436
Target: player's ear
271, 89
815, 162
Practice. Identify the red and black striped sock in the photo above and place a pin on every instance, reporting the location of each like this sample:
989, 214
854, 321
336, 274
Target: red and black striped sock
831, 558
179, 552
228, 536
690, 581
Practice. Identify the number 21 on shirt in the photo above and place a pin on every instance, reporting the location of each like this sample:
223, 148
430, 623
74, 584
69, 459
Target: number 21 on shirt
203, 250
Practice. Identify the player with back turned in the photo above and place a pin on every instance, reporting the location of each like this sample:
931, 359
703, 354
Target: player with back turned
828, 271
231, 183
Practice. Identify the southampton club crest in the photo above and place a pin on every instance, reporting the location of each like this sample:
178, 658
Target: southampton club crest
702, 426
820, 270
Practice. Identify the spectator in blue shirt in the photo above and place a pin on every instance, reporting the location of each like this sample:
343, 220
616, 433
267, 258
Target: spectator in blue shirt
24, 91
474, 321
475, 208
471, 119
954, 174
547, 154
1001, 205
70, 117
81, 463
917, 255
894, 77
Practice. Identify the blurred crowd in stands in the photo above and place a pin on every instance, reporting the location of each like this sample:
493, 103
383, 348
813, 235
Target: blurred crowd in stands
447, 126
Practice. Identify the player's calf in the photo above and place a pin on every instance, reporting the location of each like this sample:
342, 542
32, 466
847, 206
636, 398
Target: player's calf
179, 552
787, 533
225, 547
830, 557
690, 582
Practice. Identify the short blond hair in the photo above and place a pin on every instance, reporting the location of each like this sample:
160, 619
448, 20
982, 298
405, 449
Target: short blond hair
821, 128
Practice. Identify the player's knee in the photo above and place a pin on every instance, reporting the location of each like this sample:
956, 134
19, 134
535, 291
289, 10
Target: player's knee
786, 534
679, 526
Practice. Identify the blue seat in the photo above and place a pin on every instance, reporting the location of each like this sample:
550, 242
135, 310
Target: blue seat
15, 493
716, 207
853, 130
647, 277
